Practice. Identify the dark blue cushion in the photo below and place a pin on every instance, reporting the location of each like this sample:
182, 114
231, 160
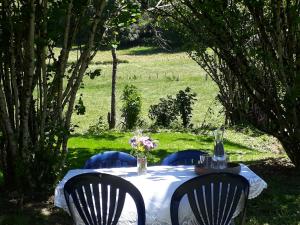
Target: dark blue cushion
185, 157
110, 159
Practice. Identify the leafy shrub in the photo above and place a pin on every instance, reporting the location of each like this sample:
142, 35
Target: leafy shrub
184, 101
164, 113
79, 107
98, 128
132, 105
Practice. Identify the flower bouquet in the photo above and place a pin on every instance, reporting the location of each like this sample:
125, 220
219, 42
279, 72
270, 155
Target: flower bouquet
141, 147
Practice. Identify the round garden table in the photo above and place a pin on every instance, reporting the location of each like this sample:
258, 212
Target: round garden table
156, 187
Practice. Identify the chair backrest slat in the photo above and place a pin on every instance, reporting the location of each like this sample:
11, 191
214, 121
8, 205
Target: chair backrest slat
104, 202
213, 198
99, 198
90, 202
79, 200
121, 200
96, 193
112, 204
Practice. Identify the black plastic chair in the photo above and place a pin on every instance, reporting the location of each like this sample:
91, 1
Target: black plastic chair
110, 159
99, 198
185, 157
213, 198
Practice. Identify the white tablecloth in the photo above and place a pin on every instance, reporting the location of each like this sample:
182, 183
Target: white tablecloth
156, 187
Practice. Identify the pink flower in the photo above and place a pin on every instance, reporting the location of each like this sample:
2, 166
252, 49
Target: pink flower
142, 143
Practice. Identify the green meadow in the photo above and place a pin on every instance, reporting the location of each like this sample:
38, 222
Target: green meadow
156, 74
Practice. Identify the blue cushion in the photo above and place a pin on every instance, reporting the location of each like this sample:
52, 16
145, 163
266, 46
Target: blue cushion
185, 157
110, 159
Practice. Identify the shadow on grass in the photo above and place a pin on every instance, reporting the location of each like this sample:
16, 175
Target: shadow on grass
106, 136
109, 62
209, 140
33, 212
77, 157
279, 203
150, 51
198, 139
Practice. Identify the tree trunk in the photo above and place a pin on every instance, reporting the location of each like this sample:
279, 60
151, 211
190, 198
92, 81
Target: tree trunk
112, 119
29, 64
35, 106
292, 148
10, 146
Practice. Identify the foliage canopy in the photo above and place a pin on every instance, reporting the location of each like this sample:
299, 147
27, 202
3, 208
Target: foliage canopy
251, 49
38, 88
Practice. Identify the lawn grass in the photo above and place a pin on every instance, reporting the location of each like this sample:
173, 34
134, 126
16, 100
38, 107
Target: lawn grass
81, 147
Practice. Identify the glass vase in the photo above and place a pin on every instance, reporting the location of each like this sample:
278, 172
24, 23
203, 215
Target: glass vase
141, 165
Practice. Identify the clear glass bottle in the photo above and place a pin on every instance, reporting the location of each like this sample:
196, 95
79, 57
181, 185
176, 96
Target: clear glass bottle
219, 157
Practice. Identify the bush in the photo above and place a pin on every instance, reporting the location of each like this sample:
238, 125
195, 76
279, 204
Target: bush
98, 128
184, 101
164, 113
132, 105
167, 110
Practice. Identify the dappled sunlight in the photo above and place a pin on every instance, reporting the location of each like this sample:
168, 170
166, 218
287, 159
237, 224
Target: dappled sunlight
279, 204
145, 51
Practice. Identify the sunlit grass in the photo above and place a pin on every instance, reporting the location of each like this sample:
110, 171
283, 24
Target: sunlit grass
83, 146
